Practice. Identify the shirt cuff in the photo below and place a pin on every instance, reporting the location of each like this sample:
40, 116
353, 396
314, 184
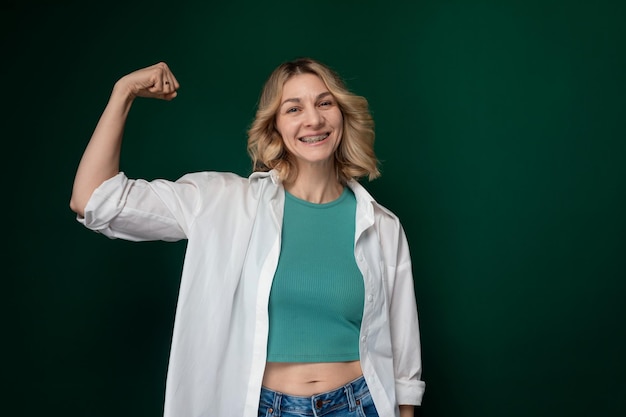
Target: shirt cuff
410, 392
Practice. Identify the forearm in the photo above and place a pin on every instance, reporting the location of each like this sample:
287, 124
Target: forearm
101, 158
407, 410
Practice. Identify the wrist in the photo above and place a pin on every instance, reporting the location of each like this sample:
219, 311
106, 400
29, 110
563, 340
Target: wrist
123, 92
407, 411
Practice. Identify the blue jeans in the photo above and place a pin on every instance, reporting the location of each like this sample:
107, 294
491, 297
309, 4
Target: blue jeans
351, 400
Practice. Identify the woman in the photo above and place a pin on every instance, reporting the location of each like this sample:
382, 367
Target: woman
297, 291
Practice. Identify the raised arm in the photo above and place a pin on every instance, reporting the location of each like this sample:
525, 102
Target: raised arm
101, 158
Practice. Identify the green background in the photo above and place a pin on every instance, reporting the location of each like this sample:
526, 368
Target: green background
500, 125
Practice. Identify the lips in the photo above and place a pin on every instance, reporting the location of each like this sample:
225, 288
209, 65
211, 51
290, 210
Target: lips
313, 139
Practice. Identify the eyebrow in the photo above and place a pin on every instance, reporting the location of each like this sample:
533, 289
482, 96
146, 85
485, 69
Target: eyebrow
297, 100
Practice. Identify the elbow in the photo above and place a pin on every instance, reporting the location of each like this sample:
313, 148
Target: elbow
77, 207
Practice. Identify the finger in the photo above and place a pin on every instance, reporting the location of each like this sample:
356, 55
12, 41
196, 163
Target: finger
175, 83
157, 85
168, 90
160, 86
169, 80
167, 85
170, 96
171, 86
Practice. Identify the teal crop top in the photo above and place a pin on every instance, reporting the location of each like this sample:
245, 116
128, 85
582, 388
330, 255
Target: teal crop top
316, 301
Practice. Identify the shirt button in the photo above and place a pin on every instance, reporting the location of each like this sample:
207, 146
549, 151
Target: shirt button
363, 338
370, 297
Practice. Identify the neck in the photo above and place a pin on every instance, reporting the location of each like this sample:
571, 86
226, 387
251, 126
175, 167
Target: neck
315, 186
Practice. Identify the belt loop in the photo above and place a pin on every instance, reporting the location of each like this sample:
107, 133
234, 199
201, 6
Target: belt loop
276, 406
350, 395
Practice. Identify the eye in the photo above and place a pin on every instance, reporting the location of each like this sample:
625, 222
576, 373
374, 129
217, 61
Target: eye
291, 110
327, 104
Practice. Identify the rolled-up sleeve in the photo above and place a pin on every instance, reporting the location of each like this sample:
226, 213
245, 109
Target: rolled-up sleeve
405, 333
139, 210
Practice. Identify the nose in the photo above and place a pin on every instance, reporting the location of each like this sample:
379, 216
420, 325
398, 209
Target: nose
313, 117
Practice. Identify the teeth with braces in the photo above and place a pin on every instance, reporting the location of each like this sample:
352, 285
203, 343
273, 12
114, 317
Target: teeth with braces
313, 139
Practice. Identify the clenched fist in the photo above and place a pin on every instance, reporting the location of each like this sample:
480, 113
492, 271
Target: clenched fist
155, 81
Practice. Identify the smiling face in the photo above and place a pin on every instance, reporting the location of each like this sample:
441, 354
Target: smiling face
309, 121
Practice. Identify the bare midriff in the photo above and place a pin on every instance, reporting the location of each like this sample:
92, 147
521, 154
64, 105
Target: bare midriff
306, 379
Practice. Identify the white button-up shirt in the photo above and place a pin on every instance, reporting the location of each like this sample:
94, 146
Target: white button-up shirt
233, 227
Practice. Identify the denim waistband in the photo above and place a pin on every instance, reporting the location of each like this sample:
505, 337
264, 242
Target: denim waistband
316, 405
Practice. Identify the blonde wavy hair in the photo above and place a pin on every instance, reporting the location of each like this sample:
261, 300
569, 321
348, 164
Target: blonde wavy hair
354, 158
